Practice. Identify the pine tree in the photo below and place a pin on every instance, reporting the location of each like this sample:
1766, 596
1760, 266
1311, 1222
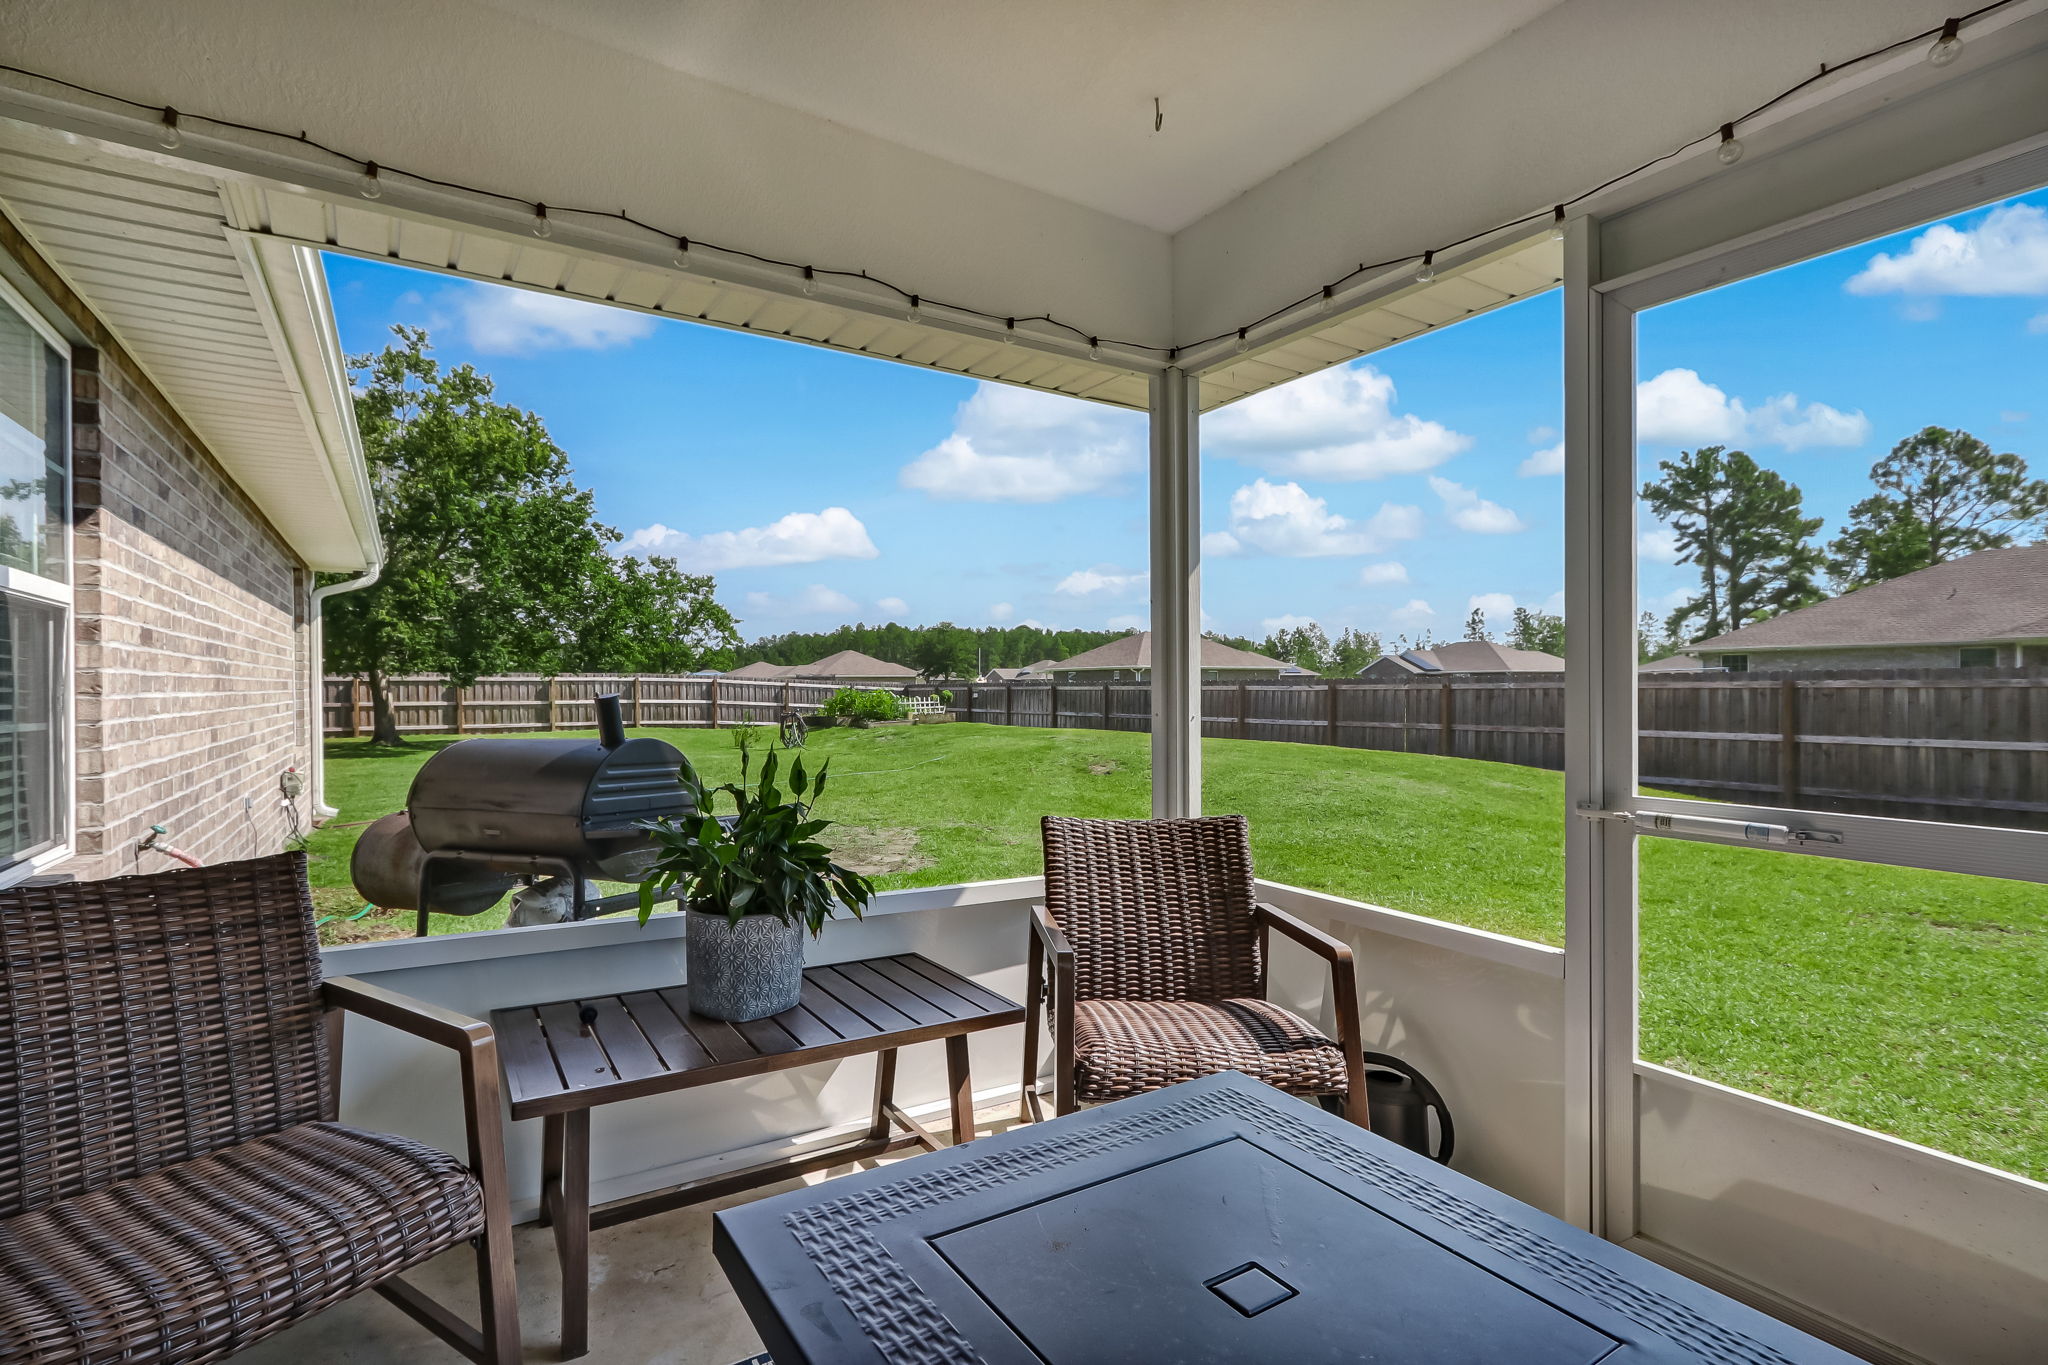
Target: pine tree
1943, 494
1743, 525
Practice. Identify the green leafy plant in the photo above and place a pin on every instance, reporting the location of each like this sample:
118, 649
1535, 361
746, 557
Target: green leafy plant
945, 696
769, 862
862, 706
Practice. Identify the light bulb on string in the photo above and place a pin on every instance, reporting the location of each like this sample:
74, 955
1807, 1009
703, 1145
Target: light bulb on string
1730, 150
1009, 331
1948, 46
1328, 300
542, 228
1094, 348
1426, 272
370, 185
1244, 340
810, 284
682, 260
914, 313
1557, 223
168, 135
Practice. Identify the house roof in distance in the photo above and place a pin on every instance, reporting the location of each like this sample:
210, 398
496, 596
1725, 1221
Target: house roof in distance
1135, 651
1993, 595
1476, 656
760, 668
851, 663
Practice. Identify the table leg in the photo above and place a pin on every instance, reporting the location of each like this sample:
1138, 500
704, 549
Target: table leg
572, 1231
885, 1093
550, 1168
959, 1089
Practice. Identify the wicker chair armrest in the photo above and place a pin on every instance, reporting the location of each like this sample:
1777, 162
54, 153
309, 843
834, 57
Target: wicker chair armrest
1323, 945
1050, 934
406, 1013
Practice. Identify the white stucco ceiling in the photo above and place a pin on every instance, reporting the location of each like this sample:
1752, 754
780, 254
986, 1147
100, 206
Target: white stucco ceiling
1057, 95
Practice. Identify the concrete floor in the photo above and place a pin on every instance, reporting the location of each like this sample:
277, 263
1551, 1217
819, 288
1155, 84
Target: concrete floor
657, 1297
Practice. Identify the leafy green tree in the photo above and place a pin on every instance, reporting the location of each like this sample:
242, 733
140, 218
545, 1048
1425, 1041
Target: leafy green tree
1537, 630
1743, 525
1942, 494
1475, 625
944, 651
1652, 640
1354, 650
493, 558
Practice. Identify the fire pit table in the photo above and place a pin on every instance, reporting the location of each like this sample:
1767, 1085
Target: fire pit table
565, 1057
1215, 1222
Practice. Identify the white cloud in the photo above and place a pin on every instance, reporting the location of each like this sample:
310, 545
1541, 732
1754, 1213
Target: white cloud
1659, 545
799, 538
1219, 544
1023, 445
1538, 435
1285, 519
1498, 607
1470, 512
1679, 408
816, 600
2013, 416
504, 321
2004, 254
1416, 613
1124, 622
2037, 325
1287, 622
1389, 571
1549, 460
894, 605
1104, 580
1335, 424
1000, 612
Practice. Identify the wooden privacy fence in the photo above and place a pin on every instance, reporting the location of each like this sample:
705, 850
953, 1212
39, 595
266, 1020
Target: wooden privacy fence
501, 705
1932, 744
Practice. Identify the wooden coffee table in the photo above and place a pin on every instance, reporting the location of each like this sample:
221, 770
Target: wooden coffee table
1214, 1222
565, 1057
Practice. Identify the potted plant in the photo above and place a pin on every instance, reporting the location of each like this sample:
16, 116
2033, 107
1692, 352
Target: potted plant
750, 885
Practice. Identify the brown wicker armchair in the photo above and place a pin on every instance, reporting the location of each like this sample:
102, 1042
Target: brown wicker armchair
173, 1185
1157, 949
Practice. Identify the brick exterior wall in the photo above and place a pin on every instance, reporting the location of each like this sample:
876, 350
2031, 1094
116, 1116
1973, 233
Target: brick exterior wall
191, 669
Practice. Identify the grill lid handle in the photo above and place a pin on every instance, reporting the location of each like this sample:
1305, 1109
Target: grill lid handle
611, 723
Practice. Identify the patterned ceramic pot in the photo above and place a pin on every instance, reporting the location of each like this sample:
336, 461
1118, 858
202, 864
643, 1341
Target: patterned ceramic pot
744, 971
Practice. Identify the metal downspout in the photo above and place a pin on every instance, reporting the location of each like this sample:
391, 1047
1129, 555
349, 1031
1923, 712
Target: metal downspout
317, 788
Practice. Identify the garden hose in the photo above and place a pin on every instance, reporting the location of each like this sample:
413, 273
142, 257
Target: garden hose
347, 919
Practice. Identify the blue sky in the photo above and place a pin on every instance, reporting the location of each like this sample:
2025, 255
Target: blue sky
1392, 494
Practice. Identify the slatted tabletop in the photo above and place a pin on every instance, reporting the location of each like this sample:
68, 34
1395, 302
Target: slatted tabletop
572, 1054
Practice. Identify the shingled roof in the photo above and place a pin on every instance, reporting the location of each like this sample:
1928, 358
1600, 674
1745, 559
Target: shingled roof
1135, 651
1989, 597
1477, 656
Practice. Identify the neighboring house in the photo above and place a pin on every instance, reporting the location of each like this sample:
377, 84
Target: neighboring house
1130, 660
1461, 656
181, 457
1985, 610
848, 668
1672, 663
1029, 673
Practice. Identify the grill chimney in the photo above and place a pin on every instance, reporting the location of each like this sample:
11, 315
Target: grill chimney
611, 724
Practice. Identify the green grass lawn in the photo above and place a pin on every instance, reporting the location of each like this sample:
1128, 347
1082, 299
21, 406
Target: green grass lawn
1912, 1002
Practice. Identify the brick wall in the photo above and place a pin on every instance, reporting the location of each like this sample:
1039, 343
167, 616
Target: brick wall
192, 676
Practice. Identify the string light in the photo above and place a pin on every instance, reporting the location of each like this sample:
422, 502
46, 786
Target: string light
810, 284
1947, 46
1426, 272
1095, 348
1328, 300
1009, 331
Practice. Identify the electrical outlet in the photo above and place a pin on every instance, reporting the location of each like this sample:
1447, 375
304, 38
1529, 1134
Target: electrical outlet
248, 803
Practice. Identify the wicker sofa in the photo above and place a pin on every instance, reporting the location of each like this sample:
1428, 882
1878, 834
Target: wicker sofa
173, 1184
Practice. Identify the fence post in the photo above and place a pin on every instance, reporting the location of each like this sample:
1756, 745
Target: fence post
1244, 711
714, 703
1446, 722
547, 699
636, 700
1009, 703
355, 708
1053, 708
785, 701
455, 707
1330, 712
1788, 741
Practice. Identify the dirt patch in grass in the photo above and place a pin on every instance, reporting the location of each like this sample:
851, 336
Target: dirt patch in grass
1104, 765
343, 903
876, 852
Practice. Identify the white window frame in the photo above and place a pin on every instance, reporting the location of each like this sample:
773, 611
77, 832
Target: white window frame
1602, 743
61, 595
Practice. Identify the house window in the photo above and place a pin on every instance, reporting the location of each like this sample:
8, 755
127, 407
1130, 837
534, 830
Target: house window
35, 593
1735, 663
1980, 656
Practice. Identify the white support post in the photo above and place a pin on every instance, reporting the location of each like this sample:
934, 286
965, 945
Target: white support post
1176, 597
1600, 746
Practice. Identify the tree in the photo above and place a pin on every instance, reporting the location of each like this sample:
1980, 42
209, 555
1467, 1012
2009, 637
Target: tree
944, 651
1942, 494
1353, 651
1743, 526
1475, 624
1652, 641
493, 559
1537, 630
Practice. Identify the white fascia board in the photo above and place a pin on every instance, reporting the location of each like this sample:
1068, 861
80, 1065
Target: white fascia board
290, 290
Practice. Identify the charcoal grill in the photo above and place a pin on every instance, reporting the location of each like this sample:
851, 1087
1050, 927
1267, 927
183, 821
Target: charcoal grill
486, 813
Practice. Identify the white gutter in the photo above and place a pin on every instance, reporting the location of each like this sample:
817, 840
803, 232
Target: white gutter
316, 649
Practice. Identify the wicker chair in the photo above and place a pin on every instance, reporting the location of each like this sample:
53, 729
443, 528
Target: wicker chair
173, 1185
1157, 949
